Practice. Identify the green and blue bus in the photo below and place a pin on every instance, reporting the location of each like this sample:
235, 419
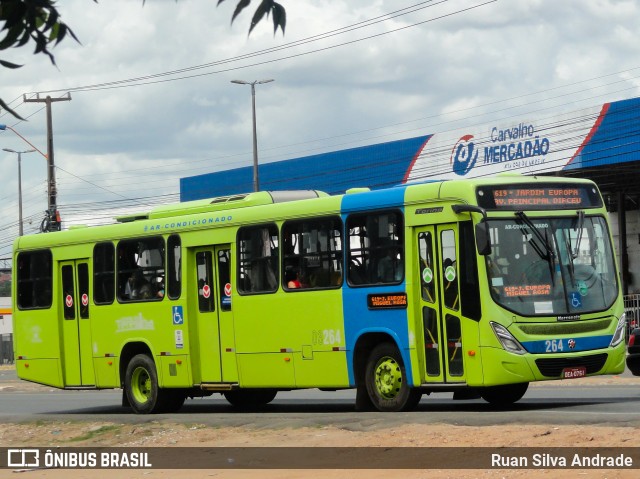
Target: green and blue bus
476, 287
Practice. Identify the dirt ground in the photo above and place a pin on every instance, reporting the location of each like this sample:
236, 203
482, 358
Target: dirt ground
156, 434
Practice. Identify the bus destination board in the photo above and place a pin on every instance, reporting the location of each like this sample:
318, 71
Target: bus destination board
537, 197
387, 301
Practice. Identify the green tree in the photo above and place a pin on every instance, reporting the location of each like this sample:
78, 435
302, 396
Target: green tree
38, 22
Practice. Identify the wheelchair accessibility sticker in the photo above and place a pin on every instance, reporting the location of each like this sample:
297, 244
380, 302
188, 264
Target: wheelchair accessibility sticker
178, 318
575, 298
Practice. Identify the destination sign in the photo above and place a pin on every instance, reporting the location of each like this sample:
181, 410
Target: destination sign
386, 301
538, 197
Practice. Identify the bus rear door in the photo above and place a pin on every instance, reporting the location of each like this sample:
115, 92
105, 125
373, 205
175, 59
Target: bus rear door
77, 355
214, 357
440, 303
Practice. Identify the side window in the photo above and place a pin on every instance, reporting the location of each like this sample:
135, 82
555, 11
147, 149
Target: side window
104, 280
205, 281
141, 272
174, 270
312, 254
258, 259
376, 248
34, 280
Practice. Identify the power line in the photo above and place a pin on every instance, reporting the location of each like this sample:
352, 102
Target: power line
149, 79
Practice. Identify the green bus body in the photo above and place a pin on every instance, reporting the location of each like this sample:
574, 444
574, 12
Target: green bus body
397, 297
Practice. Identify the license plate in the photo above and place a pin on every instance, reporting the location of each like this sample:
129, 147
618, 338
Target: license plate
572, 373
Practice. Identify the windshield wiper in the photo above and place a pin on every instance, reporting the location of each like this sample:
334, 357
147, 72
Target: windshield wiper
580, 224
548, 253
571, 266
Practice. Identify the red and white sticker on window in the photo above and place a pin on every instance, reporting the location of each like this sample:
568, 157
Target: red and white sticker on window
206, 291
85, 299
68, 300
227, 289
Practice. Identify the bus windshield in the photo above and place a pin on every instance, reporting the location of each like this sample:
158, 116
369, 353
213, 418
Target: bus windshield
551, 266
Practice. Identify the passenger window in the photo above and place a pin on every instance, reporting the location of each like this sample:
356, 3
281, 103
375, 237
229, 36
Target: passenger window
376, 248
312, 254
258, 259
141, 272
104, 278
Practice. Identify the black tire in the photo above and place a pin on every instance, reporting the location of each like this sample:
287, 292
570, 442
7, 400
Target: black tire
386, 381
250, 398
504, 395
141, 385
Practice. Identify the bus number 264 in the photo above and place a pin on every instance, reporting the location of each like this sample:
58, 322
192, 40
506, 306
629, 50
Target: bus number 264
553, 346
326, 336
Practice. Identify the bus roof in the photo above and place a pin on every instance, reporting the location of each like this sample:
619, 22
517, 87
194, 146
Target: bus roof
223, 203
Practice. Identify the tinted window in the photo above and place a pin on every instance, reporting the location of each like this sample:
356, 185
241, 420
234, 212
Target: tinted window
141, 272
312, 254
34, 280
376, 248
104, 273
258, 259
205, 282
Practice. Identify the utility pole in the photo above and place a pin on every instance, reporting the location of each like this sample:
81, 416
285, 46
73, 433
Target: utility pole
19, 153
256, 181
54, 223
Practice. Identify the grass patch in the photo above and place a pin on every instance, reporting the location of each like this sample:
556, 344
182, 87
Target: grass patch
95, 432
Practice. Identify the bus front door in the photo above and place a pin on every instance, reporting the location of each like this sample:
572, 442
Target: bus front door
440, 303
214, 334
77, 357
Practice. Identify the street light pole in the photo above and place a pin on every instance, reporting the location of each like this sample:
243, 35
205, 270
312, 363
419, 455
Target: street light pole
19, 153
256, 181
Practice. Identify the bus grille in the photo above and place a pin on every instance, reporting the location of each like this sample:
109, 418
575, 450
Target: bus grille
553, 367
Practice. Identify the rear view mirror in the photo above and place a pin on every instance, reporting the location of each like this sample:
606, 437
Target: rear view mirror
483, 239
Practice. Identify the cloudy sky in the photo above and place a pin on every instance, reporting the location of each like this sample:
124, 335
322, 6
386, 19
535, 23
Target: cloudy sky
152, 100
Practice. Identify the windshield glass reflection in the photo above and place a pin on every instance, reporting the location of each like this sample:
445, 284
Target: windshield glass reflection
551, 266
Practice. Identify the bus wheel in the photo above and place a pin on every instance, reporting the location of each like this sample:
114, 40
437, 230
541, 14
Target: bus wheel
141, 385
250, 398
386, 381
504, 395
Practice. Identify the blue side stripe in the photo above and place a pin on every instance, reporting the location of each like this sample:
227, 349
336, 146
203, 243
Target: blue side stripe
567, 345
358, 318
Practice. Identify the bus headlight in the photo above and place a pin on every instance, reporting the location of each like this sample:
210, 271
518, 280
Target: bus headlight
618, 336
507, 340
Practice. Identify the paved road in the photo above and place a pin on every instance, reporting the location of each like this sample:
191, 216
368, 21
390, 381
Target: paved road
544, 403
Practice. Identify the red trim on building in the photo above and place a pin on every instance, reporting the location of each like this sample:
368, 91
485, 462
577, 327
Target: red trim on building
415, 158
592, 132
